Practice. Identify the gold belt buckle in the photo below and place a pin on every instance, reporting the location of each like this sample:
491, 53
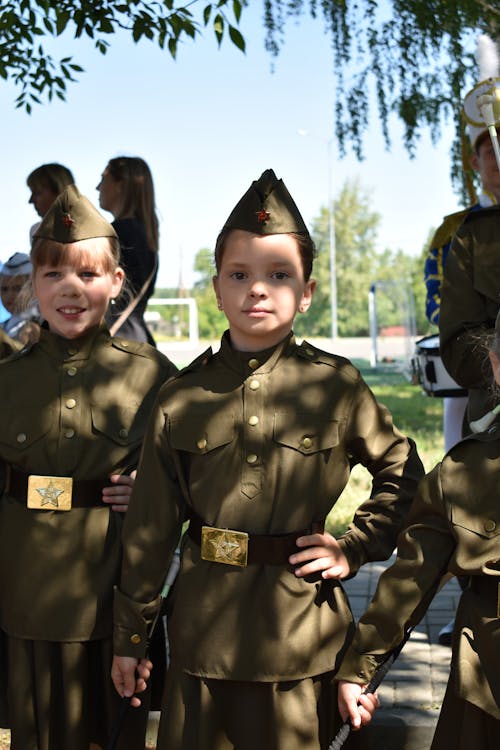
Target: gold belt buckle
224, 546
49, 493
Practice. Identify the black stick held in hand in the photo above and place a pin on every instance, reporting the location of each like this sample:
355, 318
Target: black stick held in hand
372, 686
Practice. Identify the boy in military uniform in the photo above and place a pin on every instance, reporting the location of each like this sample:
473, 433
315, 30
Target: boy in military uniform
253, 445
453, 527
74, 412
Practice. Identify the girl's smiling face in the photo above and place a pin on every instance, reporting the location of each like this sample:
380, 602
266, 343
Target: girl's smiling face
74, 295
261, 286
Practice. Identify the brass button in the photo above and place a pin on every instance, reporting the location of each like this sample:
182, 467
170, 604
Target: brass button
253, 420
202, 444
69, 434
123, 433
253, 363
21, 438
310, 352
71, 403
490, 525
72, 351
135, 638
124, 343
71, 371
252, 458
254, 385
307, 442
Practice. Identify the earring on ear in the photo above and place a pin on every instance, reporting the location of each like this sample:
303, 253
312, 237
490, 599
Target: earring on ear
112, 301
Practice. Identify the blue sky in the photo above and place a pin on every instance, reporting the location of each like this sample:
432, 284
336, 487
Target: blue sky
208, 124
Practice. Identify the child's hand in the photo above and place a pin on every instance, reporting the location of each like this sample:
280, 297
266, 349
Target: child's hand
130, 676
355, 705
323, 554
118, 496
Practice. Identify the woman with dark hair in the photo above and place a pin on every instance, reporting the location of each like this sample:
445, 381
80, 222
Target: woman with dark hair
126, 190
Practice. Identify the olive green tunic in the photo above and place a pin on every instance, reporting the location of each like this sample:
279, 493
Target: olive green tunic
453, 527
264, 443
470, 303
69, 408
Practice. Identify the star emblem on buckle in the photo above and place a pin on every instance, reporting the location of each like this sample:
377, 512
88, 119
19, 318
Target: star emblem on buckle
224, 549
50, 494
224, 546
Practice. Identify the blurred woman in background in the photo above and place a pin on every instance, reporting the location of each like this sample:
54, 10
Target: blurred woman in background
126, 190
45, 183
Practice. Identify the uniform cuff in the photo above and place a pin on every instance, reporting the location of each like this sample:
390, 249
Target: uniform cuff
132, 623
357, 667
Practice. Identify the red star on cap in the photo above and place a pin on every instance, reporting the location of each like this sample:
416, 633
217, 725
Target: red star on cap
263, 215
67, 220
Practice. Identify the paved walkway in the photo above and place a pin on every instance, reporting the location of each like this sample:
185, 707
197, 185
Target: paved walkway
412, 692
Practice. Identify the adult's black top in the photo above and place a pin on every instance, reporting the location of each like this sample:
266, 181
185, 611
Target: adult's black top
138, 261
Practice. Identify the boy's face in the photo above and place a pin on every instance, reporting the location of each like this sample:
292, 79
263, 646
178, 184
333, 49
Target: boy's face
260, 287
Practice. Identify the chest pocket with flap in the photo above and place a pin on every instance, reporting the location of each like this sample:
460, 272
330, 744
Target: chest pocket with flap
118, 423
306, 434
22, 428
201, 435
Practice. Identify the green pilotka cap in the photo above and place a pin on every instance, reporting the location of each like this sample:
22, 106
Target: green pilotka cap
267, 208
72, 218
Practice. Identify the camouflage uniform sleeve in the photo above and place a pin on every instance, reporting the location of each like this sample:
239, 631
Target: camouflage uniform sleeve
393, 462
406, 589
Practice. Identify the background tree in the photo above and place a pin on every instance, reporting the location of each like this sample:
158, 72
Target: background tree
355, 242
211, 321
417, 56
27, 25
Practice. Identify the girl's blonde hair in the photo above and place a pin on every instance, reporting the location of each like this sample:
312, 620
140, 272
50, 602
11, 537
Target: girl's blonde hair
101, 252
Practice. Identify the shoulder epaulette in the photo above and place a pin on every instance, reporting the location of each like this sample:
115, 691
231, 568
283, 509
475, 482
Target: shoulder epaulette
481, 213
308, 351
140, 348
197, 363
448, 228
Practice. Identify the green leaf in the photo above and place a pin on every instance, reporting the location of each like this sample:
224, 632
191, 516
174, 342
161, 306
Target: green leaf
237, 9
236, 38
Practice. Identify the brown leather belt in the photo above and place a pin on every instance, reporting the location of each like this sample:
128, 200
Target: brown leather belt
269, 549
86, 493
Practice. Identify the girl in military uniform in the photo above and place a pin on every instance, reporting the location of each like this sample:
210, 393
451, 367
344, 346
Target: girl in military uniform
74, 410
254, 444
453, 527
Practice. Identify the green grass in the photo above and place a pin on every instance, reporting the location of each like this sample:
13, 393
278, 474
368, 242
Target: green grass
417, 415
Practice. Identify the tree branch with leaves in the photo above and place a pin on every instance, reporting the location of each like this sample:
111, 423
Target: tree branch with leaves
26, 25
